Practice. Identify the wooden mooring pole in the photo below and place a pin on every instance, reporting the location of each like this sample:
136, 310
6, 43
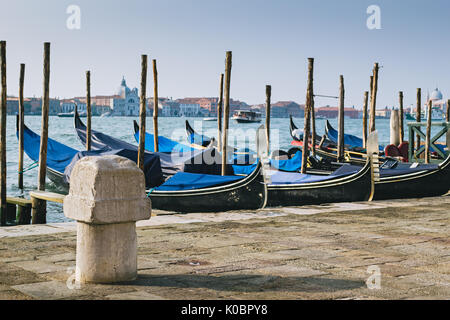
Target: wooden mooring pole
88, 111
308, 107
448, 111
428, 135
418, 114
366, 101
39, 206
21, 119
220, 113
268, 96
155, 107
313, 125
142, 112
401, 115
226, 111
373, 99
447, 118
340, 154
3, 106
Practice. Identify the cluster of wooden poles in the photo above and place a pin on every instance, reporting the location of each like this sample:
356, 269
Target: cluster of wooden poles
309, 124
39, 204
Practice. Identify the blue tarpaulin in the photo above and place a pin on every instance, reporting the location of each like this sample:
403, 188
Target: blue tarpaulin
164, 144
59, 155
189, 181
280, 177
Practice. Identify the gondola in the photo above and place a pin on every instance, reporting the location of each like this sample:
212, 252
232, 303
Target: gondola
193, 192
288, 188
348, 183
397, 180
196, 140
327, 149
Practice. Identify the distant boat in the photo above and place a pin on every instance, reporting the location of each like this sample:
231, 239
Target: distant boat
245, 116
210, 119
71, 114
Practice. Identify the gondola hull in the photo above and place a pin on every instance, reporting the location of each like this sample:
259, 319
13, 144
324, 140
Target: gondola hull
247, 194
416, 185
356, 187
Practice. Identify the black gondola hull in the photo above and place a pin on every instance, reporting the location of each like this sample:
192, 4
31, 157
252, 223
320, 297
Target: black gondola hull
418, 185
249, 194
356, 187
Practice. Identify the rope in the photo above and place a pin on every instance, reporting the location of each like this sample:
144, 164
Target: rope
31, 166
151, 190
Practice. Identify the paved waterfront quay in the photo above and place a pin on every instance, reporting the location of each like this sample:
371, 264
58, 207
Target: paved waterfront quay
312, 252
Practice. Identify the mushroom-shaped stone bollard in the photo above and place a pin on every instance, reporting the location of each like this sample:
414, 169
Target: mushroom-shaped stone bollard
106, 198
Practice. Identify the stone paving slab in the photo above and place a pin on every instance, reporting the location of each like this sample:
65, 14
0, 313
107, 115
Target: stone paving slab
311, 252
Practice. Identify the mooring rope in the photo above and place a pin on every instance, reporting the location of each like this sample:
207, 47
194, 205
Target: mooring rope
31, 166
151, 190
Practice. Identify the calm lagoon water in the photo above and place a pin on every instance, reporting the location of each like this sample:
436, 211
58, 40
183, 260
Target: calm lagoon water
62, 130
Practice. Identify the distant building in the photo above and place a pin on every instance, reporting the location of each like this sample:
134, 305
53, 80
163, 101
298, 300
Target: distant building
439, 105
68, 105
127, 104
282, 109
32, 106
190, 110
333, 112
169, 108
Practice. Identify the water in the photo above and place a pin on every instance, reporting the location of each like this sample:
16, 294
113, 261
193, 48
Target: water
62, 130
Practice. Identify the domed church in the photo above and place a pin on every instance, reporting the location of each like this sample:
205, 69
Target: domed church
126, 102
438, 103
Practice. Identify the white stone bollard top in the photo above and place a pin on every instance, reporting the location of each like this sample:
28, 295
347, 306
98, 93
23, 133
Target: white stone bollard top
106, 190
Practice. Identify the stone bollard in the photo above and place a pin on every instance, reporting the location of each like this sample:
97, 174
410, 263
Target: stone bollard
106, 198
395, 128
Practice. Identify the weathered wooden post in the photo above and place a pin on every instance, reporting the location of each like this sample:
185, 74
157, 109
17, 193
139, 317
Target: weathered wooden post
447, 117
155, 107
39, 206
142, 112
340, 154
366, 98
428, 136
220, 113
394, 128
308, 107
3, 106
418, 114
448, 120
106, 198
88, 111
268, 95
401, 116
226, 111
313, 126
373, 105
21, 119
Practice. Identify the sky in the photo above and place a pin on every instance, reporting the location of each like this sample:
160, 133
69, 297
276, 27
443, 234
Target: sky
271, 41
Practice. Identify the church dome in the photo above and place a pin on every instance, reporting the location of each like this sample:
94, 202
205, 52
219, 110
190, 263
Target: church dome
436, 95
122, 90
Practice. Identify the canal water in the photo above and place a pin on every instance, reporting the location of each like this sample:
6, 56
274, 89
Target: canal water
241, 135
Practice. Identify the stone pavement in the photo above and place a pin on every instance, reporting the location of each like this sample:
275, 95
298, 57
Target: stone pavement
313, 252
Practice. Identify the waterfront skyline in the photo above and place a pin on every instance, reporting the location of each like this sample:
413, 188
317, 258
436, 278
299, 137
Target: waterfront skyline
270, 41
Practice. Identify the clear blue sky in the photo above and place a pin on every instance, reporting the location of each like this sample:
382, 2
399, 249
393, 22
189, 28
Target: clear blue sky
271, 41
